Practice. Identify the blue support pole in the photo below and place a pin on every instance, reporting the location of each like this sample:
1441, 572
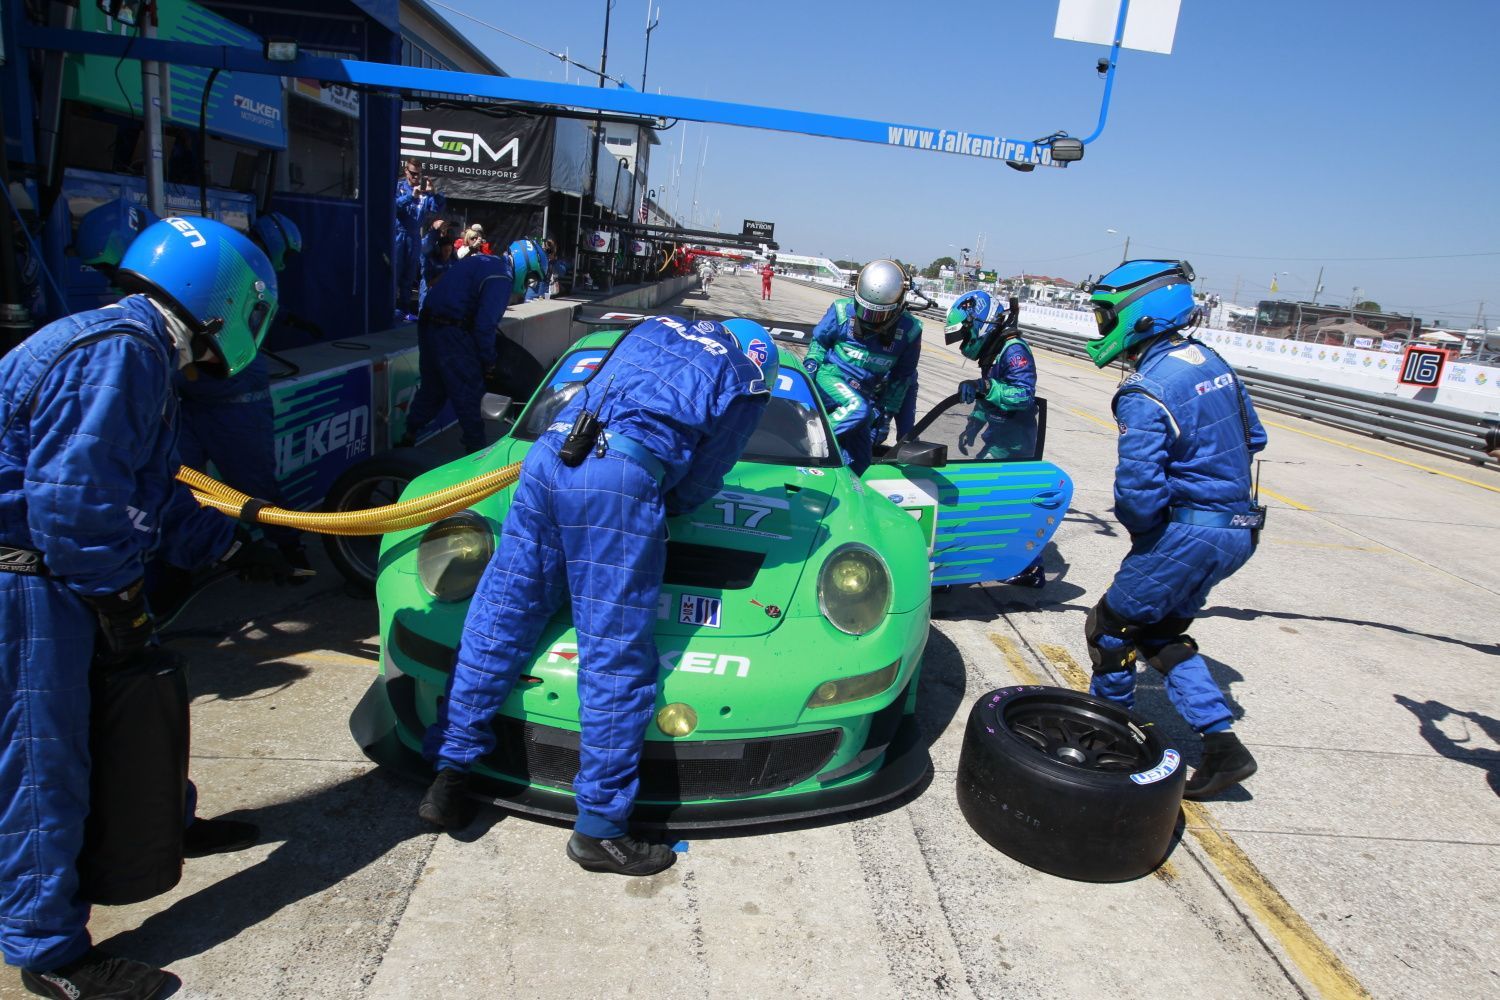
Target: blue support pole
1109, 76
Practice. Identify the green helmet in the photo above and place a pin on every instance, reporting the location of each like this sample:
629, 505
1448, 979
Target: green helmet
974, 321
1137, 301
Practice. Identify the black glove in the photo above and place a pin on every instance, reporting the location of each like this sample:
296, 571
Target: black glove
125, 624
258, 561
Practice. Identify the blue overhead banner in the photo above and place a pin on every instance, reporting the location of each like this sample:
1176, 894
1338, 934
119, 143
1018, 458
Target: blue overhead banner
979, 145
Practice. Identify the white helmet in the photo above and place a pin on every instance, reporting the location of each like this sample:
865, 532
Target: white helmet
879, 295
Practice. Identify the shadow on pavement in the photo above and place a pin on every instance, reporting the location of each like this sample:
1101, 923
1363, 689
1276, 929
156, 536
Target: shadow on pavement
326, 837
1250, 615
242, 658
1430, 713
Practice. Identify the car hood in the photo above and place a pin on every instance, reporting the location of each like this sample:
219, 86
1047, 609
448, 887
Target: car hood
733, 564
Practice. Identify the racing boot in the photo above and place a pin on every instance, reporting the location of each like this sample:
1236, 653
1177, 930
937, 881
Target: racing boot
217, 836
1226, 762
99, 976
447, 803
622, 855
1032, 576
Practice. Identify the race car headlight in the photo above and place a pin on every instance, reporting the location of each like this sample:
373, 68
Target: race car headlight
844, 689
453, 554
854, 589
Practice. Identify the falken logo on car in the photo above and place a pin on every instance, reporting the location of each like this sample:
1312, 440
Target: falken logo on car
689, 662
696, 610
586, 365
1165, 769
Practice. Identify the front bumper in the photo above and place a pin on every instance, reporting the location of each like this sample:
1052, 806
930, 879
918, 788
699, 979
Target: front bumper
389, 706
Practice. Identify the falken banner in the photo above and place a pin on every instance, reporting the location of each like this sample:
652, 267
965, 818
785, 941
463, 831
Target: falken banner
481, 157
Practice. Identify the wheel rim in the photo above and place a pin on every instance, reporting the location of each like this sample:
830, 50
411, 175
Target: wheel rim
363, 551
1077, 734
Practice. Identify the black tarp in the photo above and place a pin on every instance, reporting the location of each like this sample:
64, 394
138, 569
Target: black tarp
481, 157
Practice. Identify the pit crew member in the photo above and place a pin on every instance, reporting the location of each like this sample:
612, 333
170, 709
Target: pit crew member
678, 404
1004, 417
88, 448
863, 356
456, 336
1182, 490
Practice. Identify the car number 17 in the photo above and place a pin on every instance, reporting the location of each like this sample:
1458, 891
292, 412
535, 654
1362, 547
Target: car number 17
753, 515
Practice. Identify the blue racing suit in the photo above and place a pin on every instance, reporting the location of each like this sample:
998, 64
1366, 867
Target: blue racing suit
863, 382
414, 213
230, 422
1006, 408
88, 448
456, 339
434, 265
681, 403
1187, 433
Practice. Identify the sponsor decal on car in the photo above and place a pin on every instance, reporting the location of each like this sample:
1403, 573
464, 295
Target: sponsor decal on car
809, 471
685, 660
695, 609
1165, 769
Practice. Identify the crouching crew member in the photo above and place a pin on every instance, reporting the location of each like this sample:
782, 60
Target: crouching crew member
651, 435
88, 449
1182, 491
863, 358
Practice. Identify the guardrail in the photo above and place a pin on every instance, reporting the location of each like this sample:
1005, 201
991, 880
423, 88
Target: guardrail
1433, 428
1421, 425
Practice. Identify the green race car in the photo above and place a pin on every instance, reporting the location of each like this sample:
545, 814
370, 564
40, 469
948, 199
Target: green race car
794, 613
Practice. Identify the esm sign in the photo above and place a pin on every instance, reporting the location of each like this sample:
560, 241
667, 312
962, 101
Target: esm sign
460, 147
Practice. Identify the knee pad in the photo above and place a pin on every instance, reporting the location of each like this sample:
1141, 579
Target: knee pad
1177, 649
1110, 639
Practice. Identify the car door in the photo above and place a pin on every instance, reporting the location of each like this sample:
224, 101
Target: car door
986, 519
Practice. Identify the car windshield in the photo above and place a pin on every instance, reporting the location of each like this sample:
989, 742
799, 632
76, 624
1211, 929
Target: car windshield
792, 431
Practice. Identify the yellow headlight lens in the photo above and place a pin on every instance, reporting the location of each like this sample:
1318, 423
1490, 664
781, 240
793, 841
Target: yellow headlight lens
453, 555
677, 719
847, 689
854, 589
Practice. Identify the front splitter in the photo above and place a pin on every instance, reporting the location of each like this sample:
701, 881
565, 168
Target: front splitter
374, 725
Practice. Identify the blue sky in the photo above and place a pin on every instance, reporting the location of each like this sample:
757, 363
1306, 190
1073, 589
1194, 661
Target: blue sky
1278, 136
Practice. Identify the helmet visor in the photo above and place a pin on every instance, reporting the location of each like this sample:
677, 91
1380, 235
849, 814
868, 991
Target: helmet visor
877, 317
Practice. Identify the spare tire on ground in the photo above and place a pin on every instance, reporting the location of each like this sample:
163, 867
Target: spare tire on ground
1069, 784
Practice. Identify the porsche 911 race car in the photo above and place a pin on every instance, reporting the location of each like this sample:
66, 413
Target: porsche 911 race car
791, 627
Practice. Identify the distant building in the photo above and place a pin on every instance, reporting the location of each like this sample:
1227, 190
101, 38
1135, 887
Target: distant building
1302, 320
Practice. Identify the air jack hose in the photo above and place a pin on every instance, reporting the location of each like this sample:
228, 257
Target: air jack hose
374, 521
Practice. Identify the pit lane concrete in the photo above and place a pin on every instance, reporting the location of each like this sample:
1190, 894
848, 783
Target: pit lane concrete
1364, 857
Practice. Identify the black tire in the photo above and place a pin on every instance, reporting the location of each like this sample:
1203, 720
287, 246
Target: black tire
1069, 784
374, 482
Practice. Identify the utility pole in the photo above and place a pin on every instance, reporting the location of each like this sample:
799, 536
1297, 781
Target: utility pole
1235, 298
642, 135
1317, 286
156, 197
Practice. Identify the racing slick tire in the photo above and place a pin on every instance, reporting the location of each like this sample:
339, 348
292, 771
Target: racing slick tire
374, 482
1069, 784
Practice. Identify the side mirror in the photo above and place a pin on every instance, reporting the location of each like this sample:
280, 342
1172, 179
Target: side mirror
927, 454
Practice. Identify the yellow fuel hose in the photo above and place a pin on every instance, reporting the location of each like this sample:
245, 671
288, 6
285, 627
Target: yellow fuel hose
210, 492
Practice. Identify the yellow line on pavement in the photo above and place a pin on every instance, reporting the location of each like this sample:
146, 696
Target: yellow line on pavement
1381, 454
1013, 659
1298, 543
1302, 944
1286, 500
1311, 954
1089, 416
